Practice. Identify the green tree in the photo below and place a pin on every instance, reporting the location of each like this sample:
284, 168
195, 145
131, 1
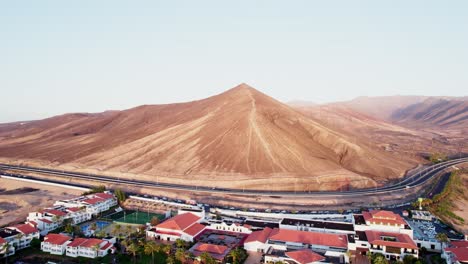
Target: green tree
378, 259
154, 221
117, 230
5, 249
180, 255
206, 258
442, 238
133, 248
237, 255
180, 243
35, 243
150, 248
121, 195
68, 227
170, 260
409, 259
96, 249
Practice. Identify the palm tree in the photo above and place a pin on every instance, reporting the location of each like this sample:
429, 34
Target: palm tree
236, 255
180, 243
180, 255
6, 249
150, 248
96, 249
206, 258
442, 238
133, 248
166, 249
19, 236
117, 230
170, 260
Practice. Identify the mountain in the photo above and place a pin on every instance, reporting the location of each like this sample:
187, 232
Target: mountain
434, 112
238, 138
381, 107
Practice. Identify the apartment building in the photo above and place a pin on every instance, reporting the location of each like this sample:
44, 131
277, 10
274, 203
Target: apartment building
55, 244
90, 247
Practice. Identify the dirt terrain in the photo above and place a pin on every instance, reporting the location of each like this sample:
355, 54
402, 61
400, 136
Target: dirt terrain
240, 138
18, 198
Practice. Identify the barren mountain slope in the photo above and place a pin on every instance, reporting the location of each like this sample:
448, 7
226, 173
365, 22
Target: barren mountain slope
241, 132
381, 107
434, 112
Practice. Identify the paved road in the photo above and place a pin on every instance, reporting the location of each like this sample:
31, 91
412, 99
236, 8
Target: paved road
412, 181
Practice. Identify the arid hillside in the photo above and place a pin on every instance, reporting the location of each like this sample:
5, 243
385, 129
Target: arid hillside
240, 137
434, 112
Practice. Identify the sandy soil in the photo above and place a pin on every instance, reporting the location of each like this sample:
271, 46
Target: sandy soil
18, 198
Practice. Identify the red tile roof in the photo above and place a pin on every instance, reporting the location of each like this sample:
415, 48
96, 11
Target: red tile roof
77, 242
179, 222
26, 229
304, 256
214, 249
2, 241
89, 243
93, 200
106, 246
34, 223
74, 209
461, 253
45, 220
260, 236
384, 217
168, 233
311, 238
56, 239
402, 240
104, 195
458, 244
194, 229
54, 212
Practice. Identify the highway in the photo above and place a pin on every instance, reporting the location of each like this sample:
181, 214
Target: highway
412, 181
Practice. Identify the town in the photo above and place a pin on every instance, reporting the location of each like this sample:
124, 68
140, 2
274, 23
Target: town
109, 227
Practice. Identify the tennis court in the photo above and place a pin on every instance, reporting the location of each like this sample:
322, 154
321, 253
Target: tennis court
140, 218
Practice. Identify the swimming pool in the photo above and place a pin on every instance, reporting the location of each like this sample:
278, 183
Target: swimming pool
85, 228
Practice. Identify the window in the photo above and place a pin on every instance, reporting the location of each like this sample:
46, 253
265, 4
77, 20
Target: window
432, 246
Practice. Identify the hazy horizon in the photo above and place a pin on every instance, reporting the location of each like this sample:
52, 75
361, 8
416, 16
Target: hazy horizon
61, 57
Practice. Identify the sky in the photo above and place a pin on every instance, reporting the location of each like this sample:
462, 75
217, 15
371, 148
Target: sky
90, 56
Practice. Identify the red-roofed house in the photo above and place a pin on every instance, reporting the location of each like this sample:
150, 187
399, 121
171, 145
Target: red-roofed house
456, 253
55, 243
218, 252
286, 239
93, 203
28, 232
184, 226
394, 246
381, 220
256, 241
304, 256
90, 247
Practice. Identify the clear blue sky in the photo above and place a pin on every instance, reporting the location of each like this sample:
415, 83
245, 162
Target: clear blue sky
90, 56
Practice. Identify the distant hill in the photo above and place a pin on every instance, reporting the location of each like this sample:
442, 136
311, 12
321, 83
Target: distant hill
434, 112
232, 138
381, 107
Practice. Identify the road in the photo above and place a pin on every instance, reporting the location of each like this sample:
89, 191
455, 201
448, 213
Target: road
412, 181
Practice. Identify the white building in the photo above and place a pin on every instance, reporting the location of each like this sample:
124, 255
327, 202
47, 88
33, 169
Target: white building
9, 238
93, 203
46, 220
380, 220
27, 233
232, 227
422, 215
277, 242
184, 226
90, 247
317, 226
55, 244
394, 246
456, 253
